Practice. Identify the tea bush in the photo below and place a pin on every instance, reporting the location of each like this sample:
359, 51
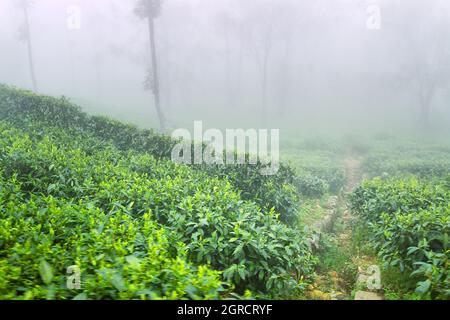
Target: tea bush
311, 186
422, 167
402, 158
20, 107
203, 221
119, 257
409, 223
312, 168
334, 177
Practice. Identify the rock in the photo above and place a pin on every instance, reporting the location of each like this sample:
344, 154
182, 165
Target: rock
366, 279
332, 202
338, 296
361, 281
366, 295
314, 241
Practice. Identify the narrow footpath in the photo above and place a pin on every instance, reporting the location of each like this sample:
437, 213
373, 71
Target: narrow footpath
340, 260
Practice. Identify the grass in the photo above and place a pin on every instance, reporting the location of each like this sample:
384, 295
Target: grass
312, 210
398, 285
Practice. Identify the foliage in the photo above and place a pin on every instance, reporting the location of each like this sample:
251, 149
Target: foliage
203, 221
409, 223
311, 186
317, 165
337, 258
334, 177
431, 166
119, 257
405, 158
399, 285
21, 108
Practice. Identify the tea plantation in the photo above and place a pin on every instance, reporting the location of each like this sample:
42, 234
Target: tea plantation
91, 192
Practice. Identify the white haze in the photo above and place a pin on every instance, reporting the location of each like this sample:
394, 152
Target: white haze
325, 68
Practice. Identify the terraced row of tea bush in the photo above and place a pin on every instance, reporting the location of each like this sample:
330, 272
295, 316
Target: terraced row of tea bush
316, 172
403, 157
408, 223
138, 226
19, 107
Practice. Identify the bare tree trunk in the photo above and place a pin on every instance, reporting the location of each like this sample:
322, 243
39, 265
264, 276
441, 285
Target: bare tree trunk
30, 49
155, 79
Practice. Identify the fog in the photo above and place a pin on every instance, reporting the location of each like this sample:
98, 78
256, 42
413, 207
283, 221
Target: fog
299, 65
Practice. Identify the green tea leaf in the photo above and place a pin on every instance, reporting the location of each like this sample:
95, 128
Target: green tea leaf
423, 287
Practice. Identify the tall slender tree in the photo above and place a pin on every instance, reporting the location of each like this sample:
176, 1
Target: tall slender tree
25, 36
150, 10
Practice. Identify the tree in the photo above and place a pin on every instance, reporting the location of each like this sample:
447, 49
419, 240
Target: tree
224, 24
289, 19
428, 70
230, 26
426, 66
25, 36
259, 30
150, 10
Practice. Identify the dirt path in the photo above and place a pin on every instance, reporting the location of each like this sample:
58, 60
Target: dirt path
354, 176
353, 173
336, 278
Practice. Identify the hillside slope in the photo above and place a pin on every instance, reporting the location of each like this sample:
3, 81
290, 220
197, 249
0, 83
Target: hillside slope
101, 195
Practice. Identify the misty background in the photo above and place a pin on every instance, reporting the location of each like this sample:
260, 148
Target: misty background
299, 65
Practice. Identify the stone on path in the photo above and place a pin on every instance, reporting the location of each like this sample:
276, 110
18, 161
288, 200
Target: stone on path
362, 280
366, 295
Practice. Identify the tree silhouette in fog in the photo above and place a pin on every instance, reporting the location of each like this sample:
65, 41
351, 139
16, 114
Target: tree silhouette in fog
25, 36
150, 10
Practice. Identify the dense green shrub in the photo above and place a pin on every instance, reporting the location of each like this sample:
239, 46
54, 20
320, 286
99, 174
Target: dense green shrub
119, 257
203, 215
428, 167
425, 161
276, 192
446, 181
318, 165
409, 223
334, 177
22, 108
311, 186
